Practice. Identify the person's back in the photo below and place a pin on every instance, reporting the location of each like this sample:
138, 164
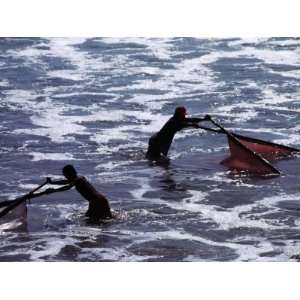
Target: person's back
160, 142
168, 131
98, 204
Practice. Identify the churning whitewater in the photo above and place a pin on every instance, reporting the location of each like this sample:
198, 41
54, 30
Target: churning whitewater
95, 102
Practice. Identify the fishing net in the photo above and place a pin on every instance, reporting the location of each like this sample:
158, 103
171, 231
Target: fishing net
244, 159
266, 149
19, 212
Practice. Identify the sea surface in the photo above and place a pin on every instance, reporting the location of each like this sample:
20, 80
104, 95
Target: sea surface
94, 103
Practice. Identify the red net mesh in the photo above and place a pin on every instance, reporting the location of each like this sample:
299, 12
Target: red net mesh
267, 150
243, 159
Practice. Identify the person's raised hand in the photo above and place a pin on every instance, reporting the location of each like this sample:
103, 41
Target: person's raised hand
48, 180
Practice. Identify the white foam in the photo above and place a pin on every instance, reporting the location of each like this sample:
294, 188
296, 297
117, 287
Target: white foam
62, 94
293, 139
110, 254
244, 252
48, 117
279, 131
287, 42
58, 47
55, 126
272, 98
195, 73
112, 165
268, 56
112, 134
240, 42
117, 115
51, 120
10, 225
239, 216
66, 74
4, 83
38, 156
64, 48
292, 73
30, 55
247, 110
226, 219
158, 47
22, 99
287, 57
151, 102
49, 247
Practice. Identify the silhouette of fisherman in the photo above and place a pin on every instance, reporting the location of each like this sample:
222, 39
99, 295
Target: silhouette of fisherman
160, 142
99, 208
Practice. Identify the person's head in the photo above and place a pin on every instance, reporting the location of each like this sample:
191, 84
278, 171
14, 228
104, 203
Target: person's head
69, 172
180, 112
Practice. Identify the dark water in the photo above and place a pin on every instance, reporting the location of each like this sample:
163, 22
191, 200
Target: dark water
95, 102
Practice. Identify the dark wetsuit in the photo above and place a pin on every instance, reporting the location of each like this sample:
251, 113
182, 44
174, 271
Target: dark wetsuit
98, 204
160, 142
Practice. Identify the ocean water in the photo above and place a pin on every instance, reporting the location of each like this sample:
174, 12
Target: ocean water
94, 103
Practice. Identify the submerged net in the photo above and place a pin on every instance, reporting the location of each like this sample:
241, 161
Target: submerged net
19, 212
244, 159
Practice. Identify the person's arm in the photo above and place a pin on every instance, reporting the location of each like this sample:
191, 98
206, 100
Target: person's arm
192, 122
61, 189
197, 120
57, 182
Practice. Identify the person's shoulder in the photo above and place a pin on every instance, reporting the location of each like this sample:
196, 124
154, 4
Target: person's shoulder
80, 179
167, 124
171, 120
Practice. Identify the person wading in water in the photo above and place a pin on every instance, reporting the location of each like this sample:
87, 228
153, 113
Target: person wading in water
99, 208
160, 142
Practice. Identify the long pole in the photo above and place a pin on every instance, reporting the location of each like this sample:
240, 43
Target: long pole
30, 195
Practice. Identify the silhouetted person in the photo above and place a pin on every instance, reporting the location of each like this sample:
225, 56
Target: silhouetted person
99, 208
160, 142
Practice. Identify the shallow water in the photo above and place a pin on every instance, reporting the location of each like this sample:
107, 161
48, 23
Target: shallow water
95, 102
